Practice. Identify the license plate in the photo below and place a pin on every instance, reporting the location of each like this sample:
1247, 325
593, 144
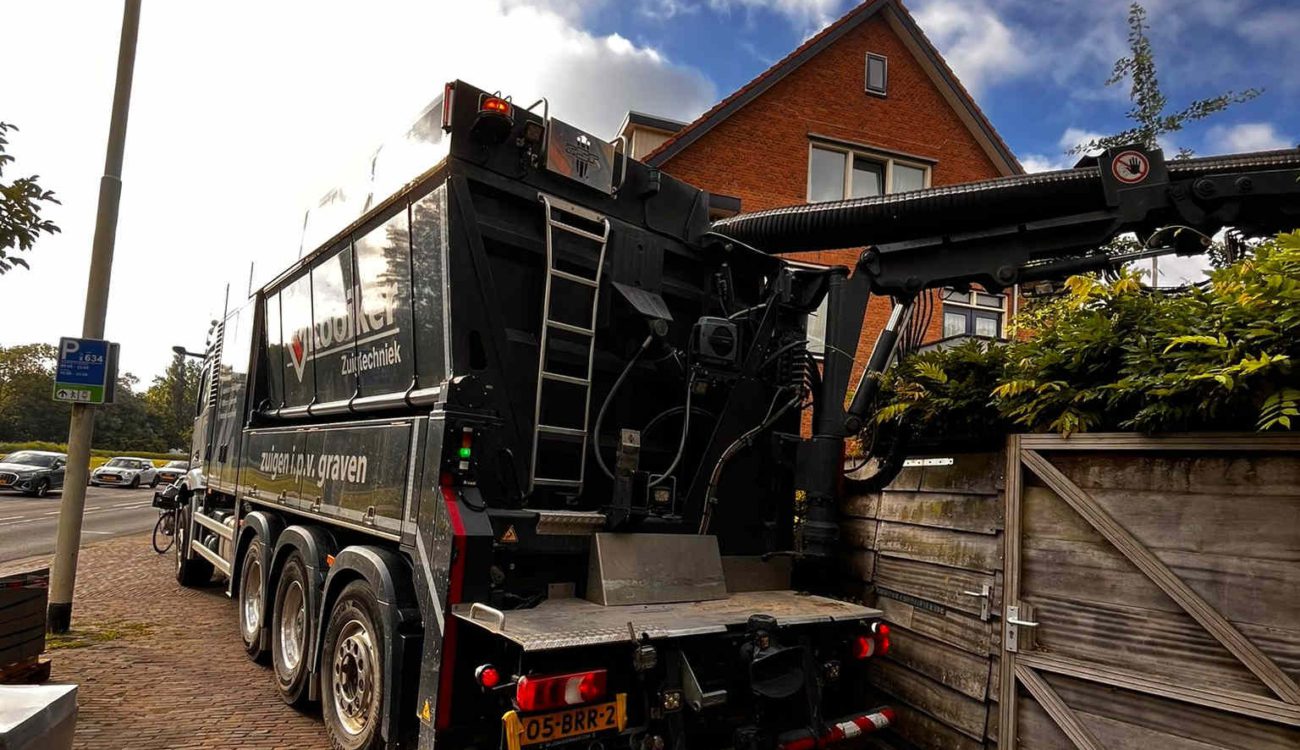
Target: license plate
573, 722
108, 477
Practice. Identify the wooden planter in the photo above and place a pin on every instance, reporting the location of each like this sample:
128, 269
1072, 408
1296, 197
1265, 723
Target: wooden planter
1163, 575
23, 599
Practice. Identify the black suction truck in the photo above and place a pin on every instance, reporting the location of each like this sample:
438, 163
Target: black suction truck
513, 456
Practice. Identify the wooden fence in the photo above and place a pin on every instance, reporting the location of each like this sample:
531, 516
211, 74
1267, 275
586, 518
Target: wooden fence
1157, 580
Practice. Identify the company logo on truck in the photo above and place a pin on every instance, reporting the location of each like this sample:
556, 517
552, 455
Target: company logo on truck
361, 342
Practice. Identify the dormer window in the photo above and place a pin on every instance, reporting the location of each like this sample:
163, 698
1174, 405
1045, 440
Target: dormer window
877, 74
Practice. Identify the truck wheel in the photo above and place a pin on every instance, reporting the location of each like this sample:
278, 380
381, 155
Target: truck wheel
290, 625
352, 669
252, 601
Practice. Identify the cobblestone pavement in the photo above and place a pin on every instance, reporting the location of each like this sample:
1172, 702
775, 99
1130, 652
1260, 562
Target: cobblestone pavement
164, 667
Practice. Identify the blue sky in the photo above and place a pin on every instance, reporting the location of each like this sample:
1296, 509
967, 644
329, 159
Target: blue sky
244, 112
1036, 67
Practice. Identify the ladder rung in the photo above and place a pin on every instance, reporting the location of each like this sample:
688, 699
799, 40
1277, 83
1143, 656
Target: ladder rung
574, 277
551, 429
558, 482
580, 232
570, 379
570, 328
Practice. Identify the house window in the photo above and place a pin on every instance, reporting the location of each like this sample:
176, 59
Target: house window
973, 313
838, 173
877, 74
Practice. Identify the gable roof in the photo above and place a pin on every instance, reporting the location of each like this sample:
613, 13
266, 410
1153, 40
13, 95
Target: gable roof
906, 27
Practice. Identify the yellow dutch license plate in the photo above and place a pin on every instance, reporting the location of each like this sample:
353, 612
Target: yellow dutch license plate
567, 724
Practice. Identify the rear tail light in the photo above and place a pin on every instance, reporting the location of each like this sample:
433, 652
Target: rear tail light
488, 676
876, 643
558, 691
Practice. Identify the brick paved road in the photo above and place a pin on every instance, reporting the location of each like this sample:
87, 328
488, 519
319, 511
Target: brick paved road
181, 681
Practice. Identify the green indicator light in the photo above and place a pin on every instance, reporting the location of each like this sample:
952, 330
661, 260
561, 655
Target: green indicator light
464, 452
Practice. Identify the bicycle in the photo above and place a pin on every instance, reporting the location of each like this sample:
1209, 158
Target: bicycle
169, 513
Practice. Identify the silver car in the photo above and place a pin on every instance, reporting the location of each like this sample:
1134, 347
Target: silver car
125, 471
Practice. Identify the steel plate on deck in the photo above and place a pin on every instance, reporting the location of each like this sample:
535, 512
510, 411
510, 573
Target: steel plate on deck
566, 623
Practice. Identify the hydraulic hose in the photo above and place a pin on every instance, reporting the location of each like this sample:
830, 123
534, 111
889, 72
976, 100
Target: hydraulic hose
609, 397
969, 207
681, 445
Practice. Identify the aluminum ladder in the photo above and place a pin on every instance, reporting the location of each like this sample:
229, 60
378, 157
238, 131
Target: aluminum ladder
556, 209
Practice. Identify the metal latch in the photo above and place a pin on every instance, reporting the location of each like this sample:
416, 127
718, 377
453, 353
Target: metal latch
1013, 624
986, 593
369, 518
695, 696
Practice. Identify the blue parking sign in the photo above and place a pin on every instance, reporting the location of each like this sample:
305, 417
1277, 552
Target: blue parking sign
86, 371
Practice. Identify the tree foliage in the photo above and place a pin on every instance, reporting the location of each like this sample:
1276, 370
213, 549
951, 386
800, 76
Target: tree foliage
157, 419
21, 202
1149, 103
1114, 355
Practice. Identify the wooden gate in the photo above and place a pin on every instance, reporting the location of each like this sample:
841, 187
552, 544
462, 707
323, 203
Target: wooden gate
1152, 593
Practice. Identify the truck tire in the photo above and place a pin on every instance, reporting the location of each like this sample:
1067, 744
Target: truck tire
191, 571
291, 626
252, 601
352, 669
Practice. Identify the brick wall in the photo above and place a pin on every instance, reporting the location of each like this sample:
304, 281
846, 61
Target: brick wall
760, 153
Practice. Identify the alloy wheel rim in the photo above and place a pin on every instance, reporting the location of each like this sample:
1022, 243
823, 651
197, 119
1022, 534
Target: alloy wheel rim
353, 672
293, 627
252, 599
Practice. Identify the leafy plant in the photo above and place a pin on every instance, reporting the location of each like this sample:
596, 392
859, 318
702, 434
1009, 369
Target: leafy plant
1150, 120
20, 210
1114, 355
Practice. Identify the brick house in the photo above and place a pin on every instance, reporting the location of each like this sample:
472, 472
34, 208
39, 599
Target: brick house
865, 106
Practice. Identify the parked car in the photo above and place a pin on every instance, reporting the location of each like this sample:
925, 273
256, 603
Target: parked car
125, 471
173, 470
33, 472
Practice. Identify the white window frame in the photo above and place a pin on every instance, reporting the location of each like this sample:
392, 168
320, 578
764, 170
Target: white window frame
850, 153
888, 160
970, 304
866, 74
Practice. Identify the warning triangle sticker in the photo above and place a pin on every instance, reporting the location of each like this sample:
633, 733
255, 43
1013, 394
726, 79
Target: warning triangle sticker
511, 536
425, 714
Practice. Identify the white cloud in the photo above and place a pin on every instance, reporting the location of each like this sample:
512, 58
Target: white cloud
1246, 136
665, 10
243, 113
1044, 163
808, 16
1073, 137
979, 46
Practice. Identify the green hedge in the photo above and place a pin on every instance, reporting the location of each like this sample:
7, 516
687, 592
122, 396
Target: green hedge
1114, 355
38, 445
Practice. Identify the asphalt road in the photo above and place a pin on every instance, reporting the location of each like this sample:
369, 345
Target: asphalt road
28, 525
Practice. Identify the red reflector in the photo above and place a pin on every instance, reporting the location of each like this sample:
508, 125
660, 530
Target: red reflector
495, 104
880, 629
864, 646
543, 693
884, 644
487, 676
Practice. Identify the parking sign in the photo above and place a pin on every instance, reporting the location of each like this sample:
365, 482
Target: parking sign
86, 372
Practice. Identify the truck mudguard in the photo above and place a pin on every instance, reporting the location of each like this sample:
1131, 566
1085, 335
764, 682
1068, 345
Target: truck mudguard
259, 524
389, 577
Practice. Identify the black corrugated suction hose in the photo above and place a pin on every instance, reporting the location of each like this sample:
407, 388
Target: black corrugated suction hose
956, 208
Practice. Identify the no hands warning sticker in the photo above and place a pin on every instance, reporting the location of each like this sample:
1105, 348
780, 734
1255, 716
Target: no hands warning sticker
1130, 167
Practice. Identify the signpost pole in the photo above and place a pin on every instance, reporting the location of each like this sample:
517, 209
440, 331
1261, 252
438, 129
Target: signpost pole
81, 427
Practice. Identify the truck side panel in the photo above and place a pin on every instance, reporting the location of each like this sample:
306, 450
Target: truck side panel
356, 474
